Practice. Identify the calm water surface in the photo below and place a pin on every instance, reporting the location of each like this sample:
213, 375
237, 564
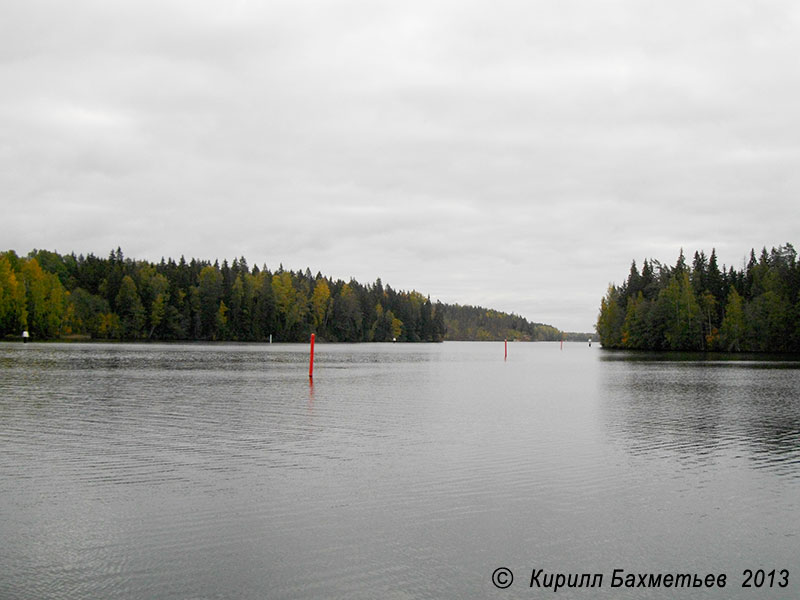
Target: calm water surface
405, 471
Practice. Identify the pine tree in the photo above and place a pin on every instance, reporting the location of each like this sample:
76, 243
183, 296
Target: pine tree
129, 308
733, 328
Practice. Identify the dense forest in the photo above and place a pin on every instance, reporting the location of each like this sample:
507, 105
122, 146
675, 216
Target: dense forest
57, 296
481, 324
703, 307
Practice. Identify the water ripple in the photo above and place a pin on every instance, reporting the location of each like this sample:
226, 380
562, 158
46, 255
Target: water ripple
202, 471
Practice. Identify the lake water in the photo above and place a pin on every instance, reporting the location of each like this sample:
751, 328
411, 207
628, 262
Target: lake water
405, 471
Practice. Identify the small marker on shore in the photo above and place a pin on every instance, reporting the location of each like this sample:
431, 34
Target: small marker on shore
311, 360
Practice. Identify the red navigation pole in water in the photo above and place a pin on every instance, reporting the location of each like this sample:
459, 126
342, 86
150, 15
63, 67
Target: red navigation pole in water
311, 360
506, 356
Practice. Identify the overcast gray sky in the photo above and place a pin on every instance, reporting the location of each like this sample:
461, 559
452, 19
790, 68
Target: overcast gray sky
515, 154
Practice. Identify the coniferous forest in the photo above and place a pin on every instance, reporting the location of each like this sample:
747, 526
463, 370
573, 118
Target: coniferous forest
703, 307
54, 296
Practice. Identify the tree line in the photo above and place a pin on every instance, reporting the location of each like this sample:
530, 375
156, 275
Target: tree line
55, 296
478, 323
703, 307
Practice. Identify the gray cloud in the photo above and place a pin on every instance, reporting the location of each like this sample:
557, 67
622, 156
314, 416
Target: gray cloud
511, 154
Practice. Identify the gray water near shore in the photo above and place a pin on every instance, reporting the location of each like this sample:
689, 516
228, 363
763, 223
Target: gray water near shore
404, 471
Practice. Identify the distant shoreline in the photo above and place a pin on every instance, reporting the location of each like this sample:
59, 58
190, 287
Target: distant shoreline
55, 296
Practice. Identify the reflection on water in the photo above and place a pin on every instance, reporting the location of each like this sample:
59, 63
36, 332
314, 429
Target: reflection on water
699, 407
403, 471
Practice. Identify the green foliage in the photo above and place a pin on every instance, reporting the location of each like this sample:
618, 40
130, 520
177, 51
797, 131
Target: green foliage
682, 324
291, 305
478, 323
264, 311
209, 289
347, 315
119, 298
130, 309
320, 305
13, 306
635, 325
705, 308
733, 327
381, 330
85, 313
45, 300
611, 319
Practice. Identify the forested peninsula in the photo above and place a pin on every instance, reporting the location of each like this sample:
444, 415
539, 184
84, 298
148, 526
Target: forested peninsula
703, 307
54, 296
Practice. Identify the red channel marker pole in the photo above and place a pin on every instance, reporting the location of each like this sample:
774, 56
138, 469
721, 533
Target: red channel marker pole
311, 360
506, 356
